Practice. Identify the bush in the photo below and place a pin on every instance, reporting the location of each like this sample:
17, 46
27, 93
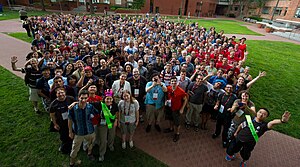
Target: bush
256, 18
230, 15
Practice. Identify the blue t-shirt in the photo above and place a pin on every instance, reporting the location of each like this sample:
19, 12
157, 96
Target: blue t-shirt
159, 102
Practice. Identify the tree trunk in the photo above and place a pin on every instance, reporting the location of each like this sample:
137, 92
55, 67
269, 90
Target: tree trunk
43, 5
91, 7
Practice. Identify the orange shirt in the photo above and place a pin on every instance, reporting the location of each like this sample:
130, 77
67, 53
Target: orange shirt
176, 97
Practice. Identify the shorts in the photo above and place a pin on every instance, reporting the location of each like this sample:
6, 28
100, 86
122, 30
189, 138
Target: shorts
127, 128
173, 116
33, 94
153, 114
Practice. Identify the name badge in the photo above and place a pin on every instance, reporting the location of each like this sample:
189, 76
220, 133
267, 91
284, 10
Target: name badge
64, 115
239, 113
136, 92
221, 109
155, 95
128, 119
102, 122
168, 103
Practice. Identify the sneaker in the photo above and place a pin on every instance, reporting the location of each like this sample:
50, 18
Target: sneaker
101, 158
157, 127
148, 128
187, 126
91, 157
224, 144
196, 128
229, 158
131, 144
168, 130
214, 136
243, 164
176, 137
111, 148
124, 145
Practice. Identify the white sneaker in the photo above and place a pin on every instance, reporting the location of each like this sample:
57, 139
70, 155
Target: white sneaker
124, 145
131, 144
101, 158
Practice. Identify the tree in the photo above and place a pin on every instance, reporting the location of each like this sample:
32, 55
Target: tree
43, 5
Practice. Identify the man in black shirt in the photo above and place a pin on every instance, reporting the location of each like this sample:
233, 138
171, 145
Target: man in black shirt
245, 138
59, 115
196, 91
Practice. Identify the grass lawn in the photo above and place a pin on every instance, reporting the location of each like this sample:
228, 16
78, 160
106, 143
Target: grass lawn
21, 35
25, 140
280, 89
12, 14
229, 26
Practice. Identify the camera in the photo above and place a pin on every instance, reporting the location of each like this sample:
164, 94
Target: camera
155, 80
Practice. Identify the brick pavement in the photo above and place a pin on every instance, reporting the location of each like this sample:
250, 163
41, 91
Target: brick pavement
194, 148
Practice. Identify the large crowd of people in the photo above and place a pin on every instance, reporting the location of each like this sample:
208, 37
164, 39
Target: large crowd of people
95, 74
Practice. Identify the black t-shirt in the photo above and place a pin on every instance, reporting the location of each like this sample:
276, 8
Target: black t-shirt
110, 78
197, 93
102, 73
43, 85
139, 84
245, 134
60, 108
227, 101
31, 76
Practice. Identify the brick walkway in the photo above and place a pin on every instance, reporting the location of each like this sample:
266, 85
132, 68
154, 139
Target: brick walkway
194, 148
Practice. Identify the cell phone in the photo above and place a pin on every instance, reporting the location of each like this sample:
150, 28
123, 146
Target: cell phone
240, 104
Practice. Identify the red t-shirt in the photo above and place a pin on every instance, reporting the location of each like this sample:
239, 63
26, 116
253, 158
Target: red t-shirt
94, 99
176, 97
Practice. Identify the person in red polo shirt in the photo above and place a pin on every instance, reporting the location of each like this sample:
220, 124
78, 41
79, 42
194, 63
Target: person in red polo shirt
175, 103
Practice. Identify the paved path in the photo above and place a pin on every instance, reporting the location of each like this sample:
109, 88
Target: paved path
194, 148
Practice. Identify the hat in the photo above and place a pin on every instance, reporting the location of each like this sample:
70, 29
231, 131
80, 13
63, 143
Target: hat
88, 68
109, 93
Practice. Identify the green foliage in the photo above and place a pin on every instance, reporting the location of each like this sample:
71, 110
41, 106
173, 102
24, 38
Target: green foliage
25, 140
137, 4
256, 18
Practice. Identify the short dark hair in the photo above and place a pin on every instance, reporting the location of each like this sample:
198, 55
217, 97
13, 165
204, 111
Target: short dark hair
154, 75
83, 92
59, 68
263, 108
173, 77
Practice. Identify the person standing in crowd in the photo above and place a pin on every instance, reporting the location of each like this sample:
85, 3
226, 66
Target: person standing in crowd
175, 104
80, 125
138, 84
154, 102
196, 92
44, 88
240, 108
128, 117
183, 81
59, 116
32, 73
106, 128
223, 106
248, 133
23, 14
119, 86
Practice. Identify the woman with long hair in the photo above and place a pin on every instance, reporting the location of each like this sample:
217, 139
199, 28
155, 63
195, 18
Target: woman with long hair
128, 117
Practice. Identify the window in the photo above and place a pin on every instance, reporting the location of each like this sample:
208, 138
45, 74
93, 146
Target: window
95, 1
118, 2
236, 8
266, 10
297, 14
277, 11
285, 11
156, 9
106, 1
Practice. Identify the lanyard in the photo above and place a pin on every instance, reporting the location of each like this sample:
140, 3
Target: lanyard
226, 100
251, 126
107, 115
